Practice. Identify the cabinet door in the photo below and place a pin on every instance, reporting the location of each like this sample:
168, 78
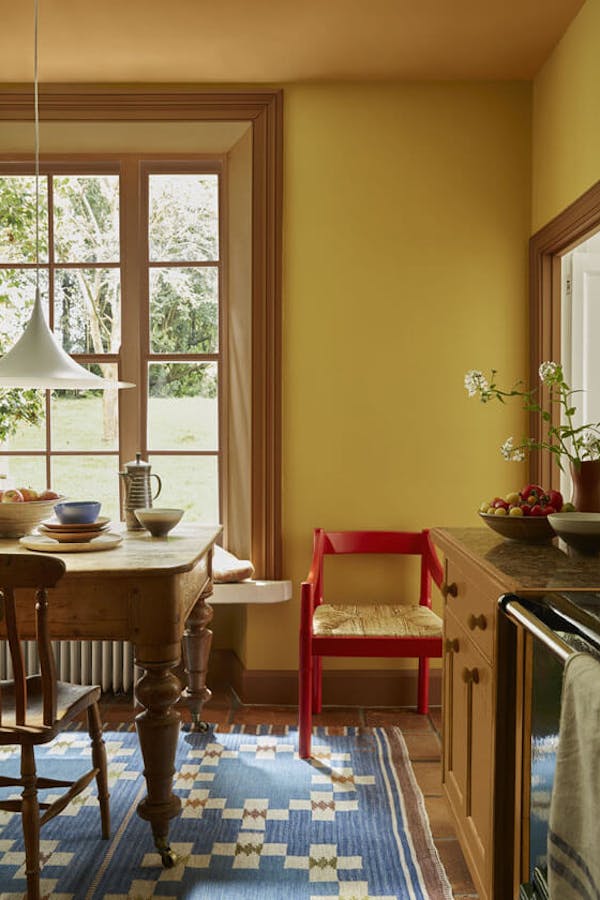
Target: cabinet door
468, 748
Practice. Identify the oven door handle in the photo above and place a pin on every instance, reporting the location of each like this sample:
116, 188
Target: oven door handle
516, 609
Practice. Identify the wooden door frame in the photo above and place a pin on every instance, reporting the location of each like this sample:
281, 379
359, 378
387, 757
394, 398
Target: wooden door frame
263, 110
574, 224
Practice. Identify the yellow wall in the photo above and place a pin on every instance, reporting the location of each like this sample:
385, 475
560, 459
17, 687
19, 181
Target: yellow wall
566, 119
406, 220
407, 212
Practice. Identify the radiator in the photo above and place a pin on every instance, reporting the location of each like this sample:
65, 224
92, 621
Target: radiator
107, 663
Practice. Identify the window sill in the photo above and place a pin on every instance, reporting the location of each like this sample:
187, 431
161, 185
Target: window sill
251, 592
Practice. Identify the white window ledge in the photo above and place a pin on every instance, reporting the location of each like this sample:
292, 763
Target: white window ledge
252, 592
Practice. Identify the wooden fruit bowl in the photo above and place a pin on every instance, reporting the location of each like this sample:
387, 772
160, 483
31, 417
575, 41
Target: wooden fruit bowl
526, 529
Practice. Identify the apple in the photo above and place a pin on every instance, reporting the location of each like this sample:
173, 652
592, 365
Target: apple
515, 511
12, 496
48, 495
29, 494
536, 510
556, 500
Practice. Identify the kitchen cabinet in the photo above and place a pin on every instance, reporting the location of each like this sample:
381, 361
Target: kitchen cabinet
486, 742
475, 761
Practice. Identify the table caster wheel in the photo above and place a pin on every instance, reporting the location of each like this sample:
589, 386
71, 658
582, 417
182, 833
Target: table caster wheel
198, 724
168, 858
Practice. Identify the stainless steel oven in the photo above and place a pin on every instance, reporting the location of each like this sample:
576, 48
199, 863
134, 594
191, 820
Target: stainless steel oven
550, 629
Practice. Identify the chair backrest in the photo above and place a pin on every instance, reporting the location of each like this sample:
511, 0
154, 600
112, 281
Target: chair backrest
21, 571
416, 543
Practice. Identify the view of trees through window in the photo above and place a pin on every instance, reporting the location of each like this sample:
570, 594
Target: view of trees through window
174, 344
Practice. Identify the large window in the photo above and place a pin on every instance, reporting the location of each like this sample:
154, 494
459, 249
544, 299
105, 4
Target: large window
142, 300
241, 374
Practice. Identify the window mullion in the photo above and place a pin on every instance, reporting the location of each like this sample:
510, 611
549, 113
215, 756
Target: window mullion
130, 414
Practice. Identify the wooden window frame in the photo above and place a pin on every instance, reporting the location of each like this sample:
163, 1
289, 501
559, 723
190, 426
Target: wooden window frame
263, 111
569, 228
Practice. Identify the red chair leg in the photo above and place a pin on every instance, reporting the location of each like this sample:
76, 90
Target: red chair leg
423, 686
317, 681
305, 695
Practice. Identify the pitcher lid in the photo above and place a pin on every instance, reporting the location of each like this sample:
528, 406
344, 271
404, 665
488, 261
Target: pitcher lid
138, 464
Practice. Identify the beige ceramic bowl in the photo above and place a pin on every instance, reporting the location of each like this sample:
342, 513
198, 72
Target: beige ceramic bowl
157, 521
17, 519
579, 530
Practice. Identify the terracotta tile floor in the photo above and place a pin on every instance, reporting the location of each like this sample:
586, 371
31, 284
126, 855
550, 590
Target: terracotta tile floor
421, 733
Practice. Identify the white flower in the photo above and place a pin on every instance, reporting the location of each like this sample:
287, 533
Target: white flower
476, 383
550, 372
510, 452
590, 443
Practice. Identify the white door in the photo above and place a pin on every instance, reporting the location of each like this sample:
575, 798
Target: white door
581, 338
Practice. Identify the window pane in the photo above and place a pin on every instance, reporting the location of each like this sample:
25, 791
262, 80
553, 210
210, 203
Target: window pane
23, 471
183, 406
89, 478
17, 218
86, 420
17, 293
87, 310
28, 436
183, 217
190, 483
86, 218
184, 310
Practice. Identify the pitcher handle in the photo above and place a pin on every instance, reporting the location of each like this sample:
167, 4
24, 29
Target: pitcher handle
158, 490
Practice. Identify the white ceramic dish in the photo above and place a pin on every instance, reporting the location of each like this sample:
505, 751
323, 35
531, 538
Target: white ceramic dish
47, 544
579, 530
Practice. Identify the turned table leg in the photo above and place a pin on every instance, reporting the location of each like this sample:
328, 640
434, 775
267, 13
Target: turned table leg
158, 690
197, 640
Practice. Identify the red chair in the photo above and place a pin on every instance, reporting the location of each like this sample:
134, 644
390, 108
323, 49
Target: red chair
370, 629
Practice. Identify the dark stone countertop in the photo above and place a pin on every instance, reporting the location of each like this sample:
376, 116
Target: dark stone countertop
536, 568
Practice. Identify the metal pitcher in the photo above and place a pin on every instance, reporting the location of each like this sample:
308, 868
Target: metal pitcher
138, 491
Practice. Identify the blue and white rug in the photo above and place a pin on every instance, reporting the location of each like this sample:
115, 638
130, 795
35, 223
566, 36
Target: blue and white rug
257, 822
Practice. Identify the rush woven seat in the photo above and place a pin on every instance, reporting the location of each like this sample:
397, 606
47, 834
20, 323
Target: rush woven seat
35, 708
369, 629
376, 619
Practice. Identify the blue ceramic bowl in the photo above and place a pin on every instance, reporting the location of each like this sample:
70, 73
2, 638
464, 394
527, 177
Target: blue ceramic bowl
77, 512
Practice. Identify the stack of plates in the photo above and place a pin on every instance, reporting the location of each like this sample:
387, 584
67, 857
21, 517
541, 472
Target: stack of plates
52, 535
73, 533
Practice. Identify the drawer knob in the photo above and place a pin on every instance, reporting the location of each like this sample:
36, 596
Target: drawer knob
449, 590
451, 645
477, 622
470, 676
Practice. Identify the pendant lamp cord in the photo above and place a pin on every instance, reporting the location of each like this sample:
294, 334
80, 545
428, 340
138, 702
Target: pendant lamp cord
36, 129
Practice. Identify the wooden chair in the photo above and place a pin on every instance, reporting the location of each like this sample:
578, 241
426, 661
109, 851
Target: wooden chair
35, 708
370, 629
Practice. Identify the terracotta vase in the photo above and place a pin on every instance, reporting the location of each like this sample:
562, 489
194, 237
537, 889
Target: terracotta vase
585, 477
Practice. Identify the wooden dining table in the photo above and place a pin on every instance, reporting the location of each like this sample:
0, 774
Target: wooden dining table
152, 592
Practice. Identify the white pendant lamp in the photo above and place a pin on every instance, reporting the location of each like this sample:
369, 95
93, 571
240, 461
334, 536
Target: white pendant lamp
37, 360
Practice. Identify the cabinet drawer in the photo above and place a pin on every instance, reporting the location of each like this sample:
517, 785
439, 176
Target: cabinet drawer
473, 601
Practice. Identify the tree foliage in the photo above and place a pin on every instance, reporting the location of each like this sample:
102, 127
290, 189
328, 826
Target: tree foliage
183, 299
